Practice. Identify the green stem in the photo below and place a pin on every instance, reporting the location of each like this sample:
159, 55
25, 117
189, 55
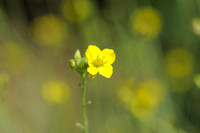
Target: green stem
84, 115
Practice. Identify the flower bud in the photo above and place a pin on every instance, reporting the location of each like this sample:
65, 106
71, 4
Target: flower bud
72, 63
77, 55
85, 60
80, 63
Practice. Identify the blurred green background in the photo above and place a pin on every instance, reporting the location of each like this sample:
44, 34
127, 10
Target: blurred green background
155, 87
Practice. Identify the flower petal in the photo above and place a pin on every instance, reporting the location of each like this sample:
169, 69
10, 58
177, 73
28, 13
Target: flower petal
92, 52
106, 71
109, 55
92, 70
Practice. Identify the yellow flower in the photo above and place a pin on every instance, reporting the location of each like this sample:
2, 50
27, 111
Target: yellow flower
100, 61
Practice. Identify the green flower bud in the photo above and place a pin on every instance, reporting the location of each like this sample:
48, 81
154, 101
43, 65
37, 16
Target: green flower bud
85, 60
80, 63
77, 55
72, 63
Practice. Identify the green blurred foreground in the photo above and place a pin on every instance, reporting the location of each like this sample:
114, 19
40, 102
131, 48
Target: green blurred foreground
155, 87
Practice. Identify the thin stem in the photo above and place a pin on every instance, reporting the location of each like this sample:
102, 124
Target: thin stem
84, 115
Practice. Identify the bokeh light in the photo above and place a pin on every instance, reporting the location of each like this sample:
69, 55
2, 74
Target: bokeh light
147, 22
4, 79
196, 25
48, 30
55, 92
179, 63
146, 98
197, 80
142, 98
14, 57
75, 10
125, 91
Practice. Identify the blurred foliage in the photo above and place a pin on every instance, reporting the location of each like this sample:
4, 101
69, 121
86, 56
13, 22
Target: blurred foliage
155, 87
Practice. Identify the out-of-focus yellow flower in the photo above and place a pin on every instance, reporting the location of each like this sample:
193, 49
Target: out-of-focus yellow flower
14, 57
4, 79
55, 92
48, 30
147, 22
197, 80
100, 61
146, 98
75, 10
196, 25
179, 63
125, 92
142, 98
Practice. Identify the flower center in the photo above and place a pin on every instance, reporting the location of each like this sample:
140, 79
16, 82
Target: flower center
98, 62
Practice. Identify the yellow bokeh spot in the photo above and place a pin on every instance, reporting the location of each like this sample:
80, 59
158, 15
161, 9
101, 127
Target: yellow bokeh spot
142, 98
146, 98
196, 25
125, 94
14, 57
179, 63
55, 92
146, 22
4, 79
48, 30
197, 80
75, 10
